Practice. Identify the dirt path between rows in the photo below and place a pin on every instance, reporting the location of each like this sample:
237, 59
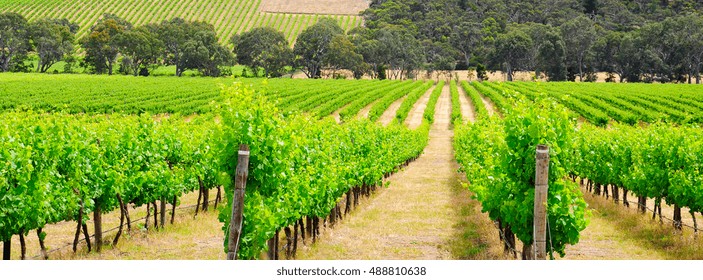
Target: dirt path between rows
414, 118
490, 107
467, 108
424, 213
364, 113
336, 115
389, 115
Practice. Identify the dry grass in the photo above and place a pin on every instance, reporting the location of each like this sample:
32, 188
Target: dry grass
187, 238
616, 232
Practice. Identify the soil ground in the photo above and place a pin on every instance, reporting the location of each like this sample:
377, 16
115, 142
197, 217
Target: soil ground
414, 118
389, 115
467, 107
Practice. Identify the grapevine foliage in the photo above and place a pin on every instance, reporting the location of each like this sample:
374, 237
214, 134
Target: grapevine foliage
498, 157
300, 166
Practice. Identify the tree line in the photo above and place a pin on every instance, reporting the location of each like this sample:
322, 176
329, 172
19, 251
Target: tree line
631, 40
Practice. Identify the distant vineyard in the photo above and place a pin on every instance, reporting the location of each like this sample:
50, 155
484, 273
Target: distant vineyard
599, 103
228, 16
107, 94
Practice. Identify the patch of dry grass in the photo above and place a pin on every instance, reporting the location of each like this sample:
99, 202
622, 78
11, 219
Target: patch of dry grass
187, 238
617, 232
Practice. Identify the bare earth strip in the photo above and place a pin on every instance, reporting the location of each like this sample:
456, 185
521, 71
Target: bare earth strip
490, 107
467, 108
338, 118
418, 216
415, 118
334, 7
389, 115
364, 113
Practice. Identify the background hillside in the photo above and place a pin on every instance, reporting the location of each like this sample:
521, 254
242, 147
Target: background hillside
228, 16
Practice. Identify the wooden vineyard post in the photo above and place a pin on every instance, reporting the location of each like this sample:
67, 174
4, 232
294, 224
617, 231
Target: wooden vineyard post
540, 211
240, 183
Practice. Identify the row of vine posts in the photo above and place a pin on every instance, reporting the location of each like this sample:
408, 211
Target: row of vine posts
540, 205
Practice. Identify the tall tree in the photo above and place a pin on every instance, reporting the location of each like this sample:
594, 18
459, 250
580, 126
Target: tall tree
263, 48
192, 45
693, 31
548, 50
99, 45
630, 58
400, 51
511, 51
441, 57
140, 48
313, 44
467, 38
579, 35
364, 39
342, 54
14, 39
52, 40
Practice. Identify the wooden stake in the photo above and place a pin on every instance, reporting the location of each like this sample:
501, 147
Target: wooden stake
240, 183
540, 210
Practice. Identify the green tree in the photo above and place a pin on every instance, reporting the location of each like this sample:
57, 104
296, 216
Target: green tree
192, 45
14, 39
52, 40
467, 38
399, 51
100, 47
511, 51
629, 58
313, 44
693, 30
263, 48
369, 47
140, 48
579, 34
441, 57
342, 54
548, 51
